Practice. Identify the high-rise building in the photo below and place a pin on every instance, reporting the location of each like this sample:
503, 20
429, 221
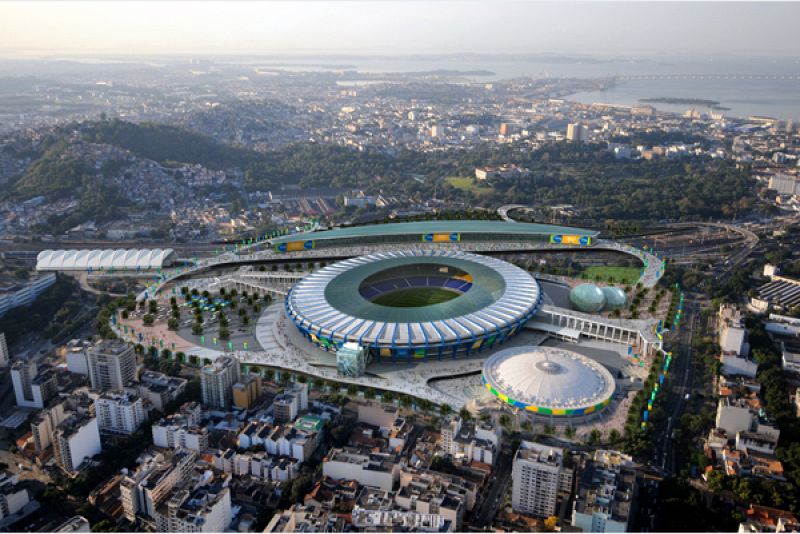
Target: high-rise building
539, 474
75, 440
287, 405
217, 380
142, 490
247, 391
32, 387
112, 364
44, 425
576, 132
204, 509
13, 495
4, 357
119, 413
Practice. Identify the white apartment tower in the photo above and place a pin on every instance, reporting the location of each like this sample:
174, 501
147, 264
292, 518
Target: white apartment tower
217, 380
75, 440
112, 364
538, 476
32, 389
119, 413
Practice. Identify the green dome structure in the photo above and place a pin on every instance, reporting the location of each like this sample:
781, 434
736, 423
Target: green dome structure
616, 299
587, 298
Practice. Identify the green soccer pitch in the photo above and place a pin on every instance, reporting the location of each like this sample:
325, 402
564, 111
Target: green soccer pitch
415, 297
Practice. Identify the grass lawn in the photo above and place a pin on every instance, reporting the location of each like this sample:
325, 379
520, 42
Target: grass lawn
415, 297
466, 183
621, 275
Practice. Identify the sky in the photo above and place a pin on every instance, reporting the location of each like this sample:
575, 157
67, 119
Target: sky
392, 27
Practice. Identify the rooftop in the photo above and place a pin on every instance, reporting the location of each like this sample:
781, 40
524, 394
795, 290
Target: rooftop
501, 228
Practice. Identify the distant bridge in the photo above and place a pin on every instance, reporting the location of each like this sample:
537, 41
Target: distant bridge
629, 77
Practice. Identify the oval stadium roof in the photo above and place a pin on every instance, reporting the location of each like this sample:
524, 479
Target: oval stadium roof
439, 227
106, 259
328, 303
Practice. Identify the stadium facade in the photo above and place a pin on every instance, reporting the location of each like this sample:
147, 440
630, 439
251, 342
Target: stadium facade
414, 305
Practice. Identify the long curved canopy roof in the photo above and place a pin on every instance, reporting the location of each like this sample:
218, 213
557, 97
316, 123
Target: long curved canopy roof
328, 303
500, 228
105, 259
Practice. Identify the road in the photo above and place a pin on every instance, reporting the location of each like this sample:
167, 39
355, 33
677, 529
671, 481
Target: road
494, 495
675, 402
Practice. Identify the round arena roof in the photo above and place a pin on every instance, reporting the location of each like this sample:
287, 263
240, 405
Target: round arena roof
548, 380
486, 299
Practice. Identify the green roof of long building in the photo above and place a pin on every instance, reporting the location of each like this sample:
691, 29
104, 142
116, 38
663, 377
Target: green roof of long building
439, 227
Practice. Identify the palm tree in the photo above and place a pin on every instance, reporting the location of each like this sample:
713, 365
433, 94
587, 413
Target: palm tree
445, 409
465, 414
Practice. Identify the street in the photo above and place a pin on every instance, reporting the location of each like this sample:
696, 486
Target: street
494, 495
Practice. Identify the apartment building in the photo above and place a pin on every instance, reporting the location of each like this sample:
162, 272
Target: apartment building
144, 489
119, 413
112, 365
539, 474
217, 380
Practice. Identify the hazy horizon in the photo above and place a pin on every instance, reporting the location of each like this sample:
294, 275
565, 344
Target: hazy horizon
394, 29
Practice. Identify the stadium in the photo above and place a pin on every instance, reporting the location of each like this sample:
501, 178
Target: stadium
548, 381
414, 305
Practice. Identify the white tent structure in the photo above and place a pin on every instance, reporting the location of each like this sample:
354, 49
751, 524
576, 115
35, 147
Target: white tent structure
104, 260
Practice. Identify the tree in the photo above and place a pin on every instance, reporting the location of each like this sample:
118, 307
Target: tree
594, 437
148, 320
172, 323
224, 333
465, 414
505, 420
445, 409
197, 328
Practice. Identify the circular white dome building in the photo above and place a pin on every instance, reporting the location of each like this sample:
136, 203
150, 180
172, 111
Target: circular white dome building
548, 381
